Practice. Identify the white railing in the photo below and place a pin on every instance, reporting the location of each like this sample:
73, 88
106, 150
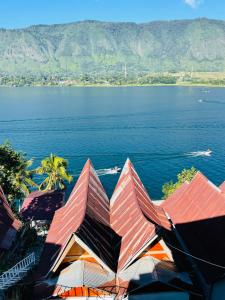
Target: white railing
17, 272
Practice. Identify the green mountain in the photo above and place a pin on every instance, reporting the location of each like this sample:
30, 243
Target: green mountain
111, 48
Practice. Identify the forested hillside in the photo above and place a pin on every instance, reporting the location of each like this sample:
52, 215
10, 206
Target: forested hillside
111, 48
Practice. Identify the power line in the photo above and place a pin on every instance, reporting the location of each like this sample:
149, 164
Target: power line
197, 258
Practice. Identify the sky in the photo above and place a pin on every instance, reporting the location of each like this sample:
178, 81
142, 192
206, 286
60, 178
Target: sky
23, 13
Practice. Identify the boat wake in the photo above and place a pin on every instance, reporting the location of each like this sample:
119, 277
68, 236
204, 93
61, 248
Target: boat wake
110, 171
199, 153
211, 101
149, 157
103, 172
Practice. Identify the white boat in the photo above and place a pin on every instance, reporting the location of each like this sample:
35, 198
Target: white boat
201, 153
116, 169
110, 171
208, 152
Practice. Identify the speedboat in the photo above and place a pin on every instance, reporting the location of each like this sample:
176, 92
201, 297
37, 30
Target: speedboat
208, 152
116, 169
204, 153
201, 153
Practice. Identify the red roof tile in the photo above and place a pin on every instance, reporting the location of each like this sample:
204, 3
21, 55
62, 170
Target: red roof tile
41, 205
133, 215
9, 225
87, 215
198, 211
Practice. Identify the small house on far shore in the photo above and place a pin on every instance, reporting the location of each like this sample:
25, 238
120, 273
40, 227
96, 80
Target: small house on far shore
40, 206
9, 225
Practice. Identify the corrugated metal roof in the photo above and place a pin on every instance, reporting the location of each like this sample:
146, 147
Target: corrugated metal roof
222, 187
9, 225
78, 274
41, 205
133, 215
86, 214
148, 270
198, 211
83, 273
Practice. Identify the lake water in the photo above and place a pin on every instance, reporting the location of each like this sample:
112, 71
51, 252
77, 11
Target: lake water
157, 127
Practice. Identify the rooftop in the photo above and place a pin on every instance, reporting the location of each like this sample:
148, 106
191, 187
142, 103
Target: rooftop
41, 205
9, 225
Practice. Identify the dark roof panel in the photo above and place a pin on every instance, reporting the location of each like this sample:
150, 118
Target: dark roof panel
41, 205
198, 211
9, 225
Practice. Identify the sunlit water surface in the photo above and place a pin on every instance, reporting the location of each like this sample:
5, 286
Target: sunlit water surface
159, 128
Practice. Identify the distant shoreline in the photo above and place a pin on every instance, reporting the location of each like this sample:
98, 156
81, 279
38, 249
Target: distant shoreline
185, 79
115, 86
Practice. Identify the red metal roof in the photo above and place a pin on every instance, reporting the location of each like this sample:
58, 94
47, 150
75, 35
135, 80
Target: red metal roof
87, 215
133, 215
9, 225
222, 187
41, 205
198, 211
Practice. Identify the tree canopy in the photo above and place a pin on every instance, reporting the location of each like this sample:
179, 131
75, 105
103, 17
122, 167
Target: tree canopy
185, 175
15, 173
55, 170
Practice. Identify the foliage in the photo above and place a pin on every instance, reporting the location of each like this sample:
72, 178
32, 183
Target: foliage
185, 175
93, 47
15, 173
55, 170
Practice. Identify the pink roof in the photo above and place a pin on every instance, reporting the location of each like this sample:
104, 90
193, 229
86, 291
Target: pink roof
222, 187
198, 211
41, 205
198, 200
133, 215
9, 225
87, 215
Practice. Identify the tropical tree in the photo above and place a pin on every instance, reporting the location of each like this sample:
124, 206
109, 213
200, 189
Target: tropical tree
185, 175
15, 173
55, 170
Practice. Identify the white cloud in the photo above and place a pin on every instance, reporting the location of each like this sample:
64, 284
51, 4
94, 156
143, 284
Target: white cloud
193, 3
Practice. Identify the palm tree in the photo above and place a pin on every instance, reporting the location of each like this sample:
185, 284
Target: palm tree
55, 168
23, 178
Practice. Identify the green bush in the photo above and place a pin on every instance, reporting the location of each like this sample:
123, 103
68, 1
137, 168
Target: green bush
185, 175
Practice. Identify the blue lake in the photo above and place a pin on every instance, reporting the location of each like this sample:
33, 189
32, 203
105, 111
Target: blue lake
157, 127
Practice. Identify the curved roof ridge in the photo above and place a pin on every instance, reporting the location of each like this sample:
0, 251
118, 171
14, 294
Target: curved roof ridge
150, 211
127, 218
86, 214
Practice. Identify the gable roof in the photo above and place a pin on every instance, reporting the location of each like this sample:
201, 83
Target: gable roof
41, 205
9, 225
84, 217
133, 216
198, 211
148, 270
77, 275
